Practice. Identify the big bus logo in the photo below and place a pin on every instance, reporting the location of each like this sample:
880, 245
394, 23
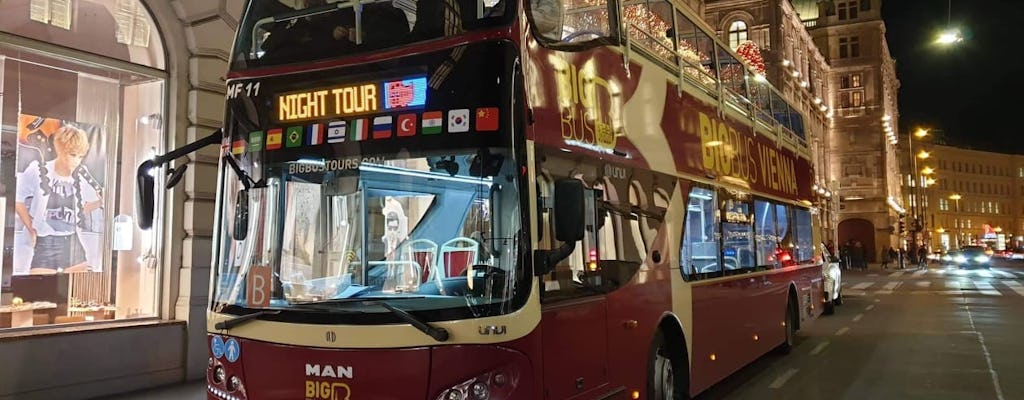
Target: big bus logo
322, 390
589, 104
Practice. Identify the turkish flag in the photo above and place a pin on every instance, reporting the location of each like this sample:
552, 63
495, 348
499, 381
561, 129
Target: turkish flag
487, 119
407, 125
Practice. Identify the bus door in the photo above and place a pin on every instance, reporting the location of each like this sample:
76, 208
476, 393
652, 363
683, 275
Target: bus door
574, 322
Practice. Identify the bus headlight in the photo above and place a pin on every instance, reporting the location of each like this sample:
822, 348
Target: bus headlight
478, 388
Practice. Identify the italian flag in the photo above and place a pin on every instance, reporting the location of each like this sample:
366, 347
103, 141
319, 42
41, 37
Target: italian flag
360, 129
432, 122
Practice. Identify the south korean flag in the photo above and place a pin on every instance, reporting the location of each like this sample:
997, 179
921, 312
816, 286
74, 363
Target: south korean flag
458, 121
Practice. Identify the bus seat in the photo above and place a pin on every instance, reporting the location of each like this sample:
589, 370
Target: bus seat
457, 255
424, 253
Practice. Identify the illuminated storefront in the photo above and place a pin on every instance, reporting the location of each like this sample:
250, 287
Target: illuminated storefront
73, 128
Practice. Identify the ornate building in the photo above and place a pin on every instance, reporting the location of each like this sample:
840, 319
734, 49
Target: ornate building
863, 143
975, 198
796, 67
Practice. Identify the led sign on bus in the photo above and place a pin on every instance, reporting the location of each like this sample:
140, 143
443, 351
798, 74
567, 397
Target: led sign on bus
351, 99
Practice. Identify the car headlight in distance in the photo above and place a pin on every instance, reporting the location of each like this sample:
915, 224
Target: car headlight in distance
981, 259
960, 259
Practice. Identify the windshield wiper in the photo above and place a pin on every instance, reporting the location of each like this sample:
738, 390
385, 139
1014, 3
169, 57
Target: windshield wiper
233, 322
439, 334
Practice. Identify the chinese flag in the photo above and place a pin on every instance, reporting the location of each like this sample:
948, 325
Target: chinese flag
487, 119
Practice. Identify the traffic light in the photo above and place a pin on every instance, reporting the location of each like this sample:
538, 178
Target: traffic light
902, 224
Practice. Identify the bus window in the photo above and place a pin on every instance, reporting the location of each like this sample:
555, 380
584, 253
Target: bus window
804, 236
737, 231
767, 242
650, 26
570, 21
694, 49
700, 253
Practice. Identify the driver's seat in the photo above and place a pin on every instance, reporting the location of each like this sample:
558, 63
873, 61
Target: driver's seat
457, 255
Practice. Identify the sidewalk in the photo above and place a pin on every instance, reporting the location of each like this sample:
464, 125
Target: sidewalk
193, 390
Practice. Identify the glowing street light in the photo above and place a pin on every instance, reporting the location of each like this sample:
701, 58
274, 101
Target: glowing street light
927, 171
955, 196
950, 36
920, 133
924, 155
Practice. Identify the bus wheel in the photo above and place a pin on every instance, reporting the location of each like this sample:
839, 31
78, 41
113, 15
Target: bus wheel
790, 327
839, 299
666, 375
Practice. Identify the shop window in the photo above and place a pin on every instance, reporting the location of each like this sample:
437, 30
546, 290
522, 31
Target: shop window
73, 133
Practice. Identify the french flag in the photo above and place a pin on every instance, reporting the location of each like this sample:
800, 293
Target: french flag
360, 129
315, 135
382, 127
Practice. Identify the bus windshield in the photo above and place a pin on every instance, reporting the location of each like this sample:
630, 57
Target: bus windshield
435, 231
276, 32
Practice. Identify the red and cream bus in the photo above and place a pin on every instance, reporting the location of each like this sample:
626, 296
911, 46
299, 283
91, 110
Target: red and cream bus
491, 199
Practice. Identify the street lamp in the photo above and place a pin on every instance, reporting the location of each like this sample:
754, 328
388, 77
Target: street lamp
950, 35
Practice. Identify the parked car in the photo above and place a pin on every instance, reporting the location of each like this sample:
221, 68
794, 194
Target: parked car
832, 276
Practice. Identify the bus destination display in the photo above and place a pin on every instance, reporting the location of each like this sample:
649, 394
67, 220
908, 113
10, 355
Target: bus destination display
351, 99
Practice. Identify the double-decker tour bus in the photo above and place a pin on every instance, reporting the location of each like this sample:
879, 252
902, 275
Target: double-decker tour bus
493, 199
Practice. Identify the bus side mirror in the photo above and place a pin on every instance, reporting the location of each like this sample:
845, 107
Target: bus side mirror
145, 198
569, 217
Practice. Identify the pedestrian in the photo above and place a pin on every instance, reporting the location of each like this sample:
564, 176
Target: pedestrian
885, 258
857, 256
922, 257
893, 255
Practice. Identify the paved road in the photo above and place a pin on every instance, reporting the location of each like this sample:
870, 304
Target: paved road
940, 333
933, 334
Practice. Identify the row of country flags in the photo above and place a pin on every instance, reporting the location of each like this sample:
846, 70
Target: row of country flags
360, 129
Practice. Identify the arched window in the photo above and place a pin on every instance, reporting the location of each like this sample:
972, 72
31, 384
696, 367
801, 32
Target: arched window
737, 34
82, 104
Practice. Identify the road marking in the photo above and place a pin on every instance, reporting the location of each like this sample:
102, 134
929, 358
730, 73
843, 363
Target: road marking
940, 271
1004, 274
987, 289
862, 285
1015, 286
889, 287
842, 331
779, 382
988, 357
869, 307
896, 274
921, 272
858, 317
924, 284
878, 300
985, 274
872, 274
817, 349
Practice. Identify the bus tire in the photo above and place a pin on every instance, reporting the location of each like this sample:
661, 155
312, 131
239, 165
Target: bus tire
790, 329
839, 298
666, 373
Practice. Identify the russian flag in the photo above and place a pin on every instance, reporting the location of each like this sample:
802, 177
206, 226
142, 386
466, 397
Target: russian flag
315, 135
382, 127
360, 129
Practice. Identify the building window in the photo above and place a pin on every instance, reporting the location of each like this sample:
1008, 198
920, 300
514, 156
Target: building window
849, 47
73, 133
847, 10
943, 205
737, 34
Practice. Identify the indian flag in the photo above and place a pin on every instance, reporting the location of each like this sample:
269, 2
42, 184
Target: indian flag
360, 129
432, 122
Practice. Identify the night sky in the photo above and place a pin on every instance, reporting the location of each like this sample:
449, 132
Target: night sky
971, 91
